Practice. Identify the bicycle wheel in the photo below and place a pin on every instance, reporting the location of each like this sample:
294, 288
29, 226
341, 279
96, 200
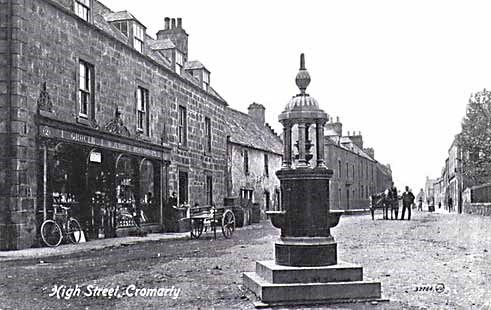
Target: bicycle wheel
51, 233
74, 231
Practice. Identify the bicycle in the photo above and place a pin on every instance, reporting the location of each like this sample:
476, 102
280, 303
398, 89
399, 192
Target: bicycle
62, 226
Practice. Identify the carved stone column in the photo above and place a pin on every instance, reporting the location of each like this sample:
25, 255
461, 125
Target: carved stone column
319, 138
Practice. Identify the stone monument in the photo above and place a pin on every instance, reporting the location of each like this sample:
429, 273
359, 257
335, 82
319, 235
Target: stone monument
306, 269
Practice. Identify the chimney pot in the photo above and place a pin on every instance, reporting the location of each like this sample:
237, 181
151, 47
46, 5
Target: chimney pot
173, 23
179, 22
167, 22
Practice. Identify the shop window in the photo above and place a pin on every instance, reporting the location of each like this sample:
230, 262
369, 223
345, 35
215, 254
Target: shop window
179, 62
65, 181
150, 211
266, 165
138, 37
142, 110
125, 192
85, 93
209, 189
183, 188
82, 9
208, 134
182, 129
246, 162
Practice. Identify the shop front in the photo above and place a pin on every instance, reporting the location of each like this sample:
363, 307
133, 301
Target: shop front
112, 183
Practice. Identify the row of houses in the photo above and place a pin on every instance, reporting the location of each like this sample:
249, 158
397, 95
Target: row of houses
100, 116
356, 173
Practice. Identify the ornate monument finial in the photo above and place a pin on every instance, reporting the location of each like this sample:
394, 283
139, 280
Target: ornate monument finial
303, 76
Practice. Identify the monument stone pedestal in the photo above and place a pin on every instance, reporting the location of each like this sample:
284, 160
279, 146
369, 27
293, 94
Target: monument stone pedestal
277, 285
306, 268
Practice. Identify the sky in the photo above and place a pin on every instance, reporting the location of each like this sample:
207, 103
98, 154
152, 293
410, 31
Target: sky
401, 72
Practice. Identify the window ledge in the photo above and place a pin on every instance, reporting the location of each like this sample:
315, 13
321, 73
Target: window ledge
83, 120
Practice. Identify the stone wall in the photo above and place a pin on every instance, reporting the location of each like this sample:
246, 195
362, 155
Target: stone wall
343, 180
483, 209
17, 133
257, 178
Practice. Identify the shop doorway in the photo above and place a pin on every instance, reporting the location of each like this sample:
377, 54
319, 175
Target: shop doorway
100, 215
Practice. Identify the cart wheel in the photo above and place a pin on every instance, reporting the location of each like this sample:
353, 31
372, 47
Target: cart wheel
196, 228
228, 224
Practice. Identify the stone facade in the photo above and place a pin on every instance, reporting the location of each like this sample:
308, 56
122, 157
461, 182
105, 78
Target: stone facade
357, 175
42, 45
17, 132
254, 155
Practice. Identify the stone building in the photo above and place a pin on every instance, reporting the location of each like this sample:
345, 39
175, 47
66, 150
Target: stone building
357, 175
254, 154
100, 116
455, 178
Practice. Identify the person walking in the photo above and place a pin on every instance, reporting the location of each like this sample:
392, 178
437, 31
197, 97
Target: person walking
407, 201
420, 200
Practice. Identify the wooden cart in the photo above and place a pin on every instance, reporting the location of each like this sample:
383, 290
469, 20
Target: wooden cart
208, 217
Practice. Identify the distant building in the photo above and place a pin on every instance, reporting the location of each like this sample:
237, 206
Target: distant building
356, 174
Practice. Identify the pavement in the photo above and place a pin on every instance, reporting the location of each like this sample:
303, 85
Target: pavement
66, 249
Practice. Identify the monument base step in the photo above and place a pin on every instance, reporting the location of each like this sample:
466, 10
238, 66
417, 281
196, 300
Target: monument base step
309, 293
341, 272
373, 301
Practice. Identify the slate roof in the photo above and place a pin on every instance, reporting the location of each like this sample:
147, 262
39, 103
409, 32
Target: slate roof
160, 44
195, 64
122, 15
347, 144
243, 130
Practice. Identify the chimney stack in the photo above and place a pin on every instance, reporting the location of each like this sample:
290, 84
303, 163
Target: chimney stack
337, 127
174, 32
357, 139
256, 112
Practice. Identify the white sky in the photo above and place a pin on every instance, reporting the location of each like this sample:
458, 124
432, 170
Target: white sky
399, 72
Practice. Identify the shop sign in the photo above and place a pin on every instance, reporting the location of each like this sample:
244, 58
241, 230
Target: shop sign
49, 132
95, 157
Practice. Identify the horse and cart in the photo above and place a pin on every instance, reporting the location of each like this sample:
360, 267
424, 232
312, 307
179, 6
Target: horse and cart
203, 218
386, 203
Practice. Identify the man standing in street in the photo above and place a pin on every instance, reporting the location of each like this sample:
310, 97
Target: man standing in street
407, 201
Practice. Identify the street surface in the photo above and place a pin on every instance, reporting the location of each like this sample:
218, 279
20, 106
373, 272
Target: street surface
434, 261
